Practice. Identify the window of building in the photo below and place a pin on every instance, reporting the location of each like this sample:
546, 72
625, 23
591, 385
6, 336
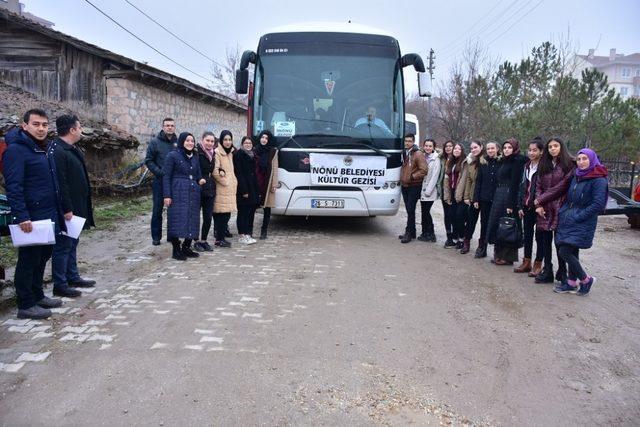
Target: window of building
626, 72
636, 90
637, 72
624, 91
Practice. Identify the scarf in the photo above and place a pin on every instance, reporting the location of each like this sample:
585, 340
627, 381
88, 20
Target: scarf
516, 147
262, 153
181, 139
249, 153
593, 162
208, 153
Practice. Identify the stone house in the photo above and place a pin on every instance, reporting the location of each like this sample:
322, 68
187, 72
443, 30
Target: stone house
129, 95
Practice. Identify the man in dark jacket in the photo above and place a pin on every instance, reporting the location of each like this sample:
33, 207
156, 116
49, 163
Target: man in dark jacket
413, 171
157, 151
32, 192
75, 194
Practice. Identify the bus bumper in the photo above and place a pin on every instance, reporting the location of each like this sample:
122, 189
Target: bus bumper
356, 203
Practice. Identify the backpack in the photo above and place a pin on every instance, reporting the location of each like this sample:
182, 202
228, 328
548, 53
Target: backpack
636, 193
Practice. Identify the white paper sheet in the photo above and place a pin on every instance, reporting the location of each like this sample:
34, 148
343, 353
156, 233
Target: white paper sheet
43, 233
74, 226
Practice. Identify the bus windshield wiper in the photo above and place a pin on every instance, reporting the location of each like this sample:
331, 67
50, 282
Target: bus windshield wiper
361, 143
324, 135
288, 140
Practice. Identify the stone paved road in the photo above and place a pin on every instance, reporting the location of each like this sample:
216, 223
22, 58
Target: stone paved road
328, 322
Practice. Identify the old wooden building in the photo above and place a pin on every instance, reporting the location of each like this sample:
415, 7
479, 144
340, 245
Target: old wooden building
127, 94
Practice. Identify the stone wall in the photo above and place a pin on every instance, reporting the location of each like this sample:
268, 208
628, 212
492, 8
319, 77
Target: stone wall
139, 108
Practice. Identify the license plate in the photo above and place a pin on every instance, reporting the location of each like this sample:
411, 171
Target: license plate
327, 203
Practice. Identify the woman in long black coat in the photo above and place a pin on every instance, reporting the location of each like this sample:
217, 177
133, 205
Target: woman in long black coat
181, 185
206, 149
248, 193
505, 199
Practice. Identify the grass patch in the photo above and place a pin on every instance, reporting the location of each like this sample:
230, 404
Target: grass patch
8, 254
109, 212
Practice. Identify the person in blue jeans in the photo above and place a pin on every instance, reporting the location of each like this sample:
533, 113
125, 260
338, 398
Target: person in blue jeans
165, 142
578, 218
75, 195
33, 195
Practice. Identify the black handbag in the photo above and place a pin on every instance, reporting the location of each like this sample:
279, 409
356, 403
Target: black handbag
508, 233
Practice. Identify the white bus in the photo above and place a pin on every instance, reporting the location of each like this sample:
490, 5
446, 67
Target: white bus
333, 96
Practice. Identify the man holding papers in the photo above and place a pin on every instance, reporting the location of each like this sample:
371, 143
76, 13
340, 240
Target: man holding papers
32, 192
75, 194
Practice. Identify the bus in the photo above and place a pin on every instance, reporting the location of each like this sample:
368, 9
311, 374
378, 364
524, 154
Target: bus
333, 97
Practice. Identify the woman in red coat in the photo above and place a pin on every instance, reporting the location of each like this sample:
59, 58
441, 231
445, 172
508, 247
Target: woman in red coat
554, 175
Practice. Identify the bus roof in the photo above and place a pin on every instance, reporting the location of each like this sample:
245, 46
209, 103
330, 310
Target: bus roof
328, 27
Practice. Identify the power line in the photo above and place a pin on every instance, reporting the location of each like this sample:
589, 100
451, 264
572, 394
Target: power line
518, 20
457, 45
173, 34
498, 28
147, 44
469, 29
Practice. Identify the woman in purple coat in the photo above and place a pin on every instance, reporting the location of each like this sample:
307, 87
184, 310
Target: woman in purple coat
554, 175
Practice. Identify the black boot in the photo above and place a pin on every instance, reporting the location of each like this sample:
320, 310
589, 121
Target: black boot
187, 251
449, 243
546, 276
177, 252
406, 238
481, 252
431, 235
263, 233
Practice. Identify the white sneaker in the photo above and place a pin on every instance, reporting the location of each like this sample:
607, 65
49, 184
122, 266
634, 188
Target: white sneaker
243, 239
251, 240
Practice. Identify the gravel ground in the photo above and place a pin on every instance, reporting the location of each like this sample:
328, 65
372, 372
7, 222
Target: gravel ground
328, 322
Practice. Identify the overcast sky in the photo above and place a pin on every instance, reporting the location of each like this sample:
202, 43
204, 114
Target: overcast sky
507, 28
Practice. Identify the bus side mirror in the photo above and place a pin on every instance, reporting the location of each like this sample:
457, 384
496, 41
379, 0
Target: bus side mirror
413, 59
248, 57
424, 84
242, 81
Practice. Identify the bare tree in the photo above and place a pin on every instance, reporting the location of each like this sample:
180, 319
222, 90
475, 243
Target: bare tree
464, 110
224, 75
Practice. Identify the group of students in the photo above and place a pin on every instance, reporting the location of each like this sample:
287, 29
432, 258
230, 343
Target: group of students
214, 178
552, 196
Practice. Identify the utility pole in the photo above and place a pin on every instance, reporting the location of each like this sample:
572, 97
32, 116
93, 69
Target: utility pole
430, 68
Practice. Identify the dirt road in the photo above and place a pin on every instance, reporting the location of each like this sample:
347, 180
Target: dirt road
330, 322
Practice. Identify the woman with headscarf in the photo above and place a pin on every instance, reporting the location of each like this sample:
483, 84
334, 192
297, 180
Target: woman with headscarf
505, 200
247, 197
181, 183
226, 186
578, 217
267, 174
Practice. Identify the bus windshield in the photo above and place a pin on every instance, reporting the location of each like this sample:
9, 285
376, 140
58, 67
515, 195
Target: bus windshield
341, 90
